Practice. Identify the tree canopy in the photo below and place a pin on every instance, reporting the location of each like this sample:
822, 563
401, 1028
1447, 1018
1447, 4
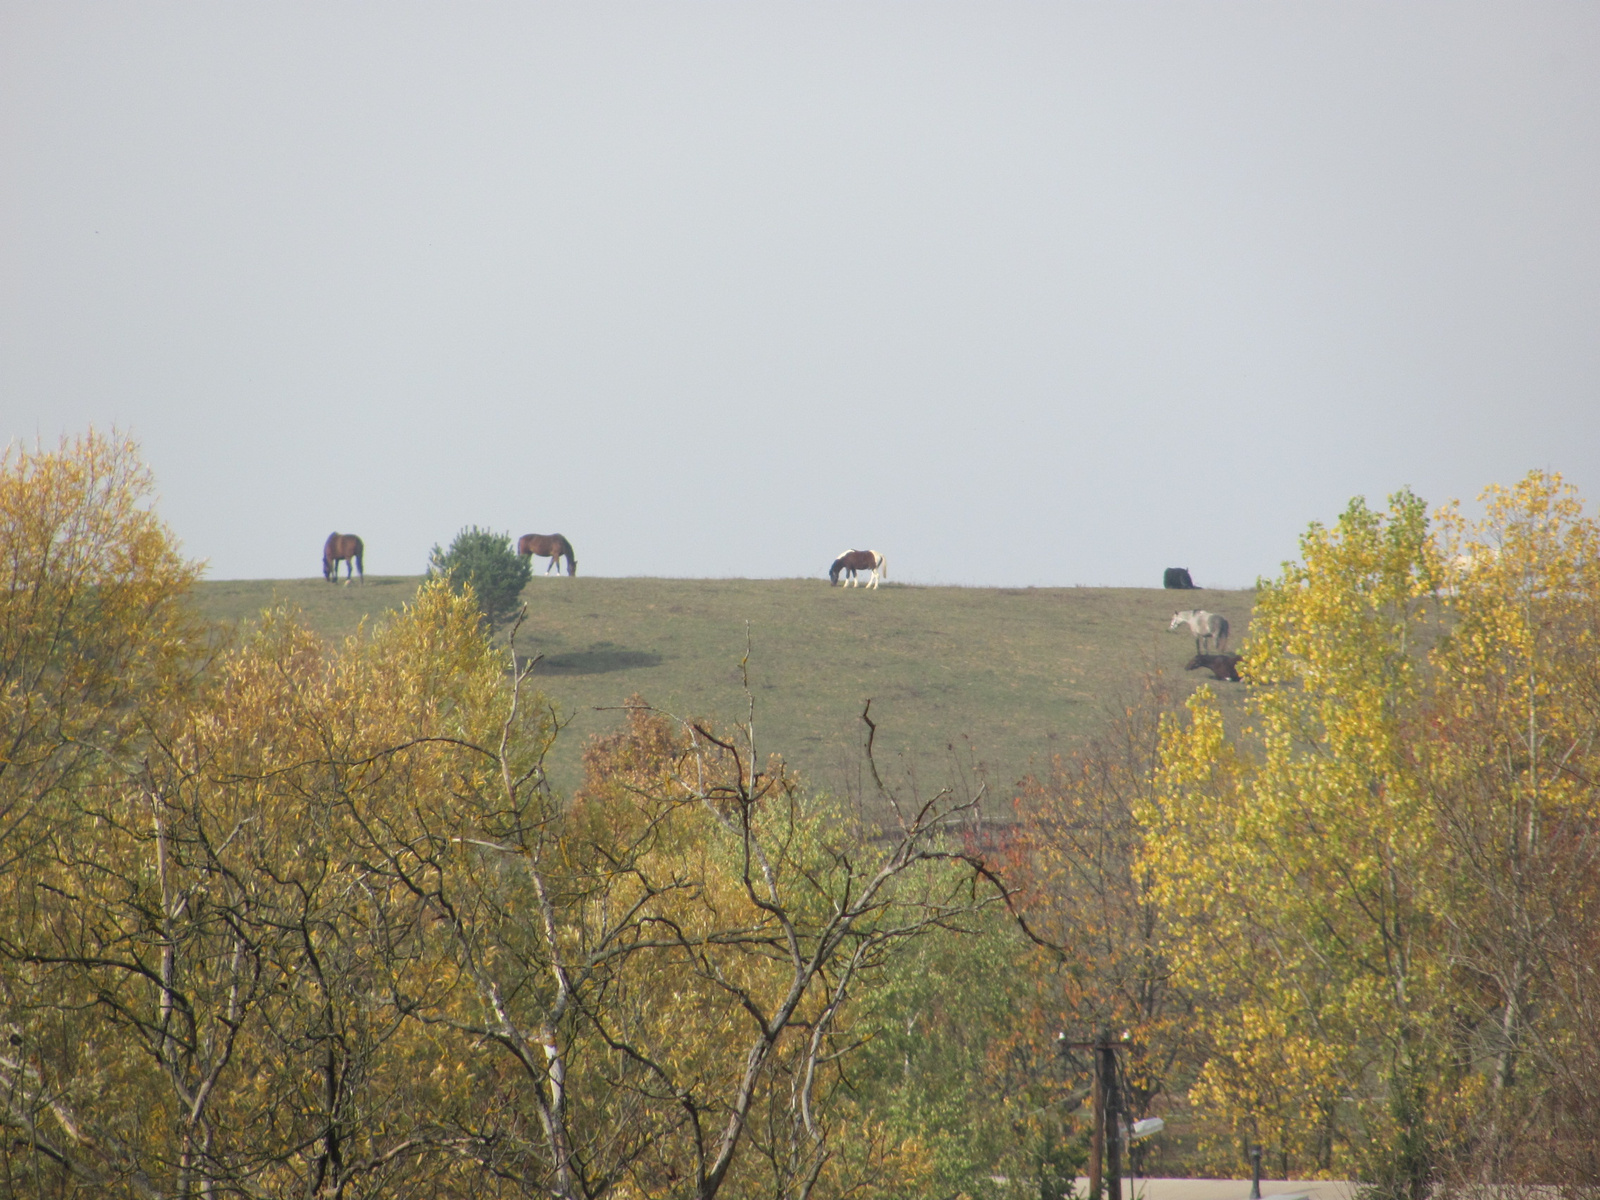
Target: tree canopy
486, 564
283, 916
1383, 887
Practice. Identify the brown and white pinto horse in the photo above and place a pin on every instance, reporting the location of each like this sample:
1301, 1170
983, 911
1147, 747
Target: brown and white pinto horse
852, 561
345, 548
549, 545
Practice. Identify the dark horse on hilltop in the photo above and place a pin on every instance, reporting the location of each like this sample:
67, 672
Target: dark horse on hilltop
852, 561
345, 548
1222, 666
549, 545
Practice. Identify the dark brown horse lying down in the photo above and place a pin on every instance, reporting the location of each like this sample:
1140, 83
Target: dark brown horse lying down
1223, 666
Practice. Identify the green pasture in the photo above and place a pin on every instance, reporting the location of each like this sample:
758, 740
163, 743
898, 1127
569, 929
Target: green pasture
975, 680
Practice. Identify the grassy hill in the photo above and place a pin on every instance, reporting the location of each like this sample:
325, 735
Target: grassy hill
999, 677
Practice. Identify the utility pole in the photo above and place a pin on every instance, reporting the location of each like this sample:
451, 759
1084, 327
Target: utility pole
1097, 1133
1105, 1140
1112, 1126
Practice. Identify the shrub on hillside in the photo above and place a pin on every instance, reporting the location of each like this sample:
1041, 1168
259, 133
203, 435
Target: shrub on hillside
488, 562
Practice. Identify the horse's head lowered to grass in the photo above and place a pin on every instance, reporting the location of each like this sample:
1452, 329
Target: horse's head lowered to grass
345, 548
852, 561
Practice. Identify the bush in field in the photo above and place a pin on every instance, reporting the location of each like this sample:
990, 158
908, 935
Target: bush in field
488, 562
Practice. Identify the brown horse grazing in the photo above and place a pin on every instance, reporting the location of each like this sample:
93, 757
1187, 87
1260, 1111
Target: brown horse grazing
852, 561
1222, 666
549, 545
345, 548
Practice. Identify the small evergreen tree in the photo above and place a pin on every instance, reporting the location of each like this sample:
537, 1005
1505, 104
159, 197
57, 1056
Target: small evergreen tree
487, 561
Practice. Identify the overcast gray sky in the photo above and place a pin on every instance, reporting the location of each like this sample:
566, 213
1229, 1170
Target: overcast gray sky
1026, 293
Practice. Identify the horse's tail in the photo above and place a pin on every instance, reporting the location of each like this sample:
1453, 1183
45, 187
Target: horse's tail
361, 549
883, 566
1222, 629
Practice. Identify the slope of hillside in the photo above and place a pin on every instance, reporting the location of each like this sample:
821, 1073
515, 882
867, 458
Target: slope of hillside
998, 676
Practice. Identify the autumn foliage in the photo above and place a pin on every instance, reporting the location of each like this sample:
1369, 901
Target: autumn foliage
1359, 932
1385, 887
280, 917
284, 918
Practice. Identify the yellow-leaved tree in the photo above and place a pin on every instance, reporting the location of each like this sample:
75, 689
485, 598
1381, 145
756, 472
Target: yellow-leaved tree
1509, 756
1304, 872
663, 974
292, 918
1383, 887
93, 625
201, 964
96, 642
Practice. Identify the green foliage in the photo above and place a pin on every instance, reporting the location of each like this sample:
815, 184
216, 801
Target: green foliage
933, 1070
487, 563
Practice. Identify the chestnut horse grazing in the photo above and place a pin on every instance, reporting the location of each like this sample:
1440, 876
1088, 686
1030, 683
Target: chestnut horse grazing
549, 545
852, 561
345, 548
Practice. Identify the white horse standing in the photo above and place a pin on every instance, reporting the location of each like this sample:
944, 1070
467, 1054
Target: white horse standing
1206, 627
